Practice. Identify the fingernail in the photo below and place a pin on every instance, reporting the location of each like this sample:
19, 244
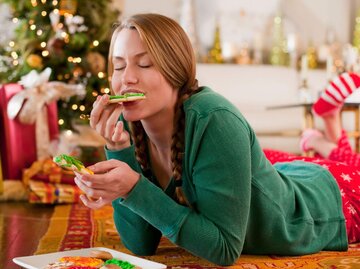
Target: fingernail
82, 198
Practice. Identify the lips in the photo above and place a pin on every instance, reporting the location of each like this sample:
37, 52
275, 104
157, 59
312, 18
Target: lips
130, 91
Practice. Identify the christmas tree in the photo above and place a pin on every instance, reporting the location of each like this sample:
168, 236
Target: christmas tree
278, 54
215, 53
69, 36
356, 33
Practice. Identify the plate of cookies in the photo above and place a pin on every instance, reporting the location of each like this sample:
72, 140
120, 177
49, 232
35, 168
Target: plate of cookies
89, 258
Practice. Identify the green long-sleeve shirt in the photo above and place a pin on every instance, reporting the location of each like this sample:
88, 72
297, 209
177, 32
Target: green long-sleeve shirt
240, 202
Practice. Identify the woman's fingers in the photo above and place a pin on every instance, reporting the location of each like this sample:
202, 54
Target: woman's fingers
94, 191
112, 179
103, 167
112, 120
104, 119
94, 204
98, 107
91, 181
103, 122
119, 134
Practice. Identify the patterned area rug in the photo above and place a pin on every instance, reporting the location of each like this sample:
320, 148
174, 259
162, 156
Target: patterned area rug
75, 227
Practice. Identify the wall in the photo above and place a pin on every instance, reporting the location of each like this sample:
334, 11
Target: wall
244, 20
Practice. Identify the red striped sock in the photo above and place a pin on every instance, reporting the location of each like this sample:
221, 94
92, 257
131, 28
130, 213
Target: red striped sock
335, 93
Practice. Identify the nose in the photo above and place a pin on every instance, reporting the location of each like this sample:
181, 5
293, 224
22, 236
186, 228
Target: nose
129, 75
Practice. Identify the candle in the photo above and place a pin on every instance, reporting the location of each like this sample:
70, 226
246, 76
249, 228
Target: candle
292, 49
304, 67
291, 42
329, 67
229, 51
352, 55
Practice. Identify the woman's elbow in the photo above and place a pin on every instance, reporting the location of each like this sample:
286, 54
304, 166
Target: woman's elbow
141, 249
228, 258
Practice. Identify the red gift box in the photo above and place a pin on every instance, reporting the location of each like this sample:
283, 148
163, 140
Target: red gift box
17, 140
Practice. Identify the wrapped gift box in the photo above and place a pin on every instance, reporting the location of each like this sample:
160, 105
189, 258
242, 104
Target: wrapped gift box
17, 140
47, 183
48, 193
49, 172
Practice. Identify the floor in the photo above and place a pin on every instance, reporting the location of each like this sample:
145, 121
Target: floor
21, 227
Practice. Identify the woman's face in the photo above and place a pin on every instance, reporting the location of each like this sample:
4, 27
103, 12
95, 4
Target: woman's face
135, 72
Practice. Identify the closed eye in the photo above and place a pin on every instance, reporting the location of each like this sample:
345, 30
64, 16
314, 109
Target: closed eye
145, 66
119, 68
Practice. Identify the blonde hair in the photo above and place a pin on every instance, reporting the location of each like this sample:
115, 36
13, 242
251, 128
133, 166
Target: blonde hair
172, 54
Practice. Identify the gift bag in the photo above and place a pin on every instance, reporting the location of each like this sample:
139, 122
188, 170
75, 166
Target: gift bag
18, 140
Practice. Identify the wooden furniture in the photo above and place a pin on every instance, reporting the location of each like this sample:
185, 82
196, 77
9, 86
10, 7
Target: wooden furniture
308, 119
22, 225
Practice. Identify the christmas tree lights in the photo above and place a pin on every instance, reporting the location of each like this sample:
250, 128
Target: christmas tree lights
69, 36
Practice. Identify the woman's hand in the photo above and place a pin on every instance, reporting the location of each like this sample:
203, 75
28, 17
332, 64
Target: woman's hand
104, 118
112, 179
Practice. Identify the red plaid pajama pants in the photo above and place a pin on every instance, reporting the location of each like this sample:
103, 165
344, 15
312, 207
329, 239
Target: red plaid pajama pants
343, 164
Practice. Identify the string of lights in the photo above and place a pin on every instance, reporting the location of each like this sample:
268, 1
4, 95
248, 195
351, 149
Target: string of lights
72, 41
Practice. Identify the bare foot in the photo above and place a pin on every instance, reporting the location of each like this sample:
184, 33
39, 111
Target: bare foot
312, 139
321, 145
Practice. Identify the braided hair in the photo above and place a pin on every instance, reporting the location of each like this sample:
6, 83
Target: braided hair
172, 54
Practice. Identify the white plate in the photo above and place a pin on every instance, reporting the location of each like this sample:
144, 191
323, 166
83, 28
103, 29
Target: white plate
42, 260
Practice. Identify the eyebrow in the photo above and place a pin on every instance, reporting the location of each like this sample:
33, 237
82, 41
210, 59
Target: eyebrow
136, 55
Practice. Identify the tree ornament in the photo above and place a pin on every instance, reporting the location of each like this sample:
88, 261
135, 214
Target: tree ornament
34, 61
68, 7
312, 56
55, 46
96, 61
78, 71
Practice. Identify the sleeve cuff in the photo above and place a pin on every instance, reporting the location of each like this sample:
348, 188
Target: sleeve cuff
126, 155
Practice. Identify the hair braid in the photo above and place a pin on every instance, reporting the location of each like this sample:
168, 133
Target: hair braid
138, 135
178, 141
177, 145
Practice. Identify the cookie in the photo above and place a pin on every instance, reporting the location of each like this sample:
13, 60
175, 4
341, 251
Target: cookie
71, 163
127, 97
101, 254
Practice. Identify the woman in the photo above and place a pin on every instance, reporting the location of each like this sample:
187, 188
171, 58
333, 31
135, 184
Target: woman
185, 164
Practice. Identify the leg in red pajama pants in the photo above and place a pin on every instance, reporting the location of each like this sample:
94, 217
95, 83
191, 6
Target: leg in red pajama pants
344, 152
348, 179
